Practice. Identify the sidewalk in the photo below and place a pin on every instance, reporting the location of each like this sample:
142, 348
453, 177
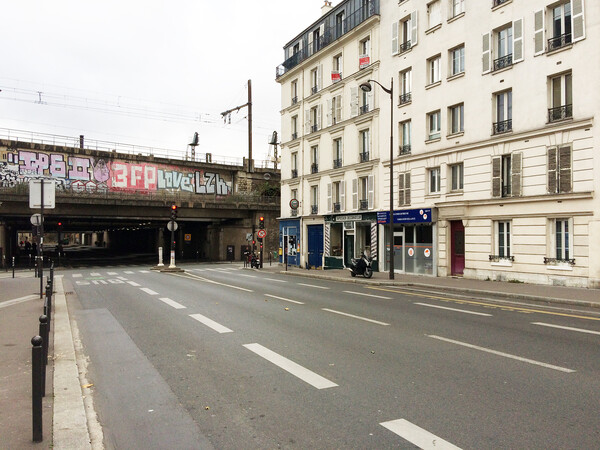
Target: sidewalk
516, 291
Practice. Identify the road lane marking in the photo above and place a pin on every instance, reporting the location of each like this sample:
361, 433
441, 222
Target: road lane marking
99, 281
454, 309
247, 276
506, 355
284, 299
95, 274
129, 272
111, 273
149, 291
133, 283
206, 280
77, 275
417, 435
312, 285
115, 281
367, 295
122, 278
355, 317
82, 283
144, 271
580, 330
295, 369
172, 303
487, 305
273, 279
211, 323
14, 301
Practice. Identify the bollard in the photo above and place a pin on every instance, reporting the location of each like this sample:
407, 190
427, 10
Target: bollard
13, 266
44, 333
48, 301
36, 388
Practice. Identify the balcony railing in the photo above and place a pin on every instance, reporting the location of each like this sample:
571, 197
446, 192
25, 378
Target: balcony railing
498, 2
364, 109
294, 135
314, 89
504, 61
294, 100
404, 47
314, 128
506, 190
294, 173
405, 98
314, 168
554, 261
502, 127
363, 205
404, 150
330, 35
560, 113
337, 163
314, 209
498, 258
558, 42
364, 156
337, 207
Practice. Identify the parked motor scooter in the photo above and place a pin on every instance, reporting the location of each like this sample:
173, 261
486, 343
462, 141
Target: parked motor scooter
361, 266
254, 262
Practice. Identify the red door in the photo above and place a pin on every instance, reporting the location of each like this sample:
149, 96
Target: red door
457, 244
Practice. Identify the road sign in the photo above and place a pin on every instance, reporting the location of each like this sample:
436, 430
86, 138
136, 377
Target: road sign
36, 220
35, 193
294, 203
187, 237
248, 237
261, 233
172, 225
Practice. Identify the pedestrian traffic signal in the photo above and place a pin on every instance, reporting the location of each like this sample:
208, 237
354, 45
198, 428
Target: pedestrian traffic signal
173, 211
261, 222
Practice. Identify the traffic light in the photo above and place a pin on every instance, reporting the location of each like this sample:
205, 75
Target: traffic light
261, 222
253, 242
173, 211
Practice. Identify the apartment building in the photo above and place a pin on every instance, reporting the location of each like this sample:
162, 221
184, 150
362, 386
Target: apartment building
496, 150
330, 153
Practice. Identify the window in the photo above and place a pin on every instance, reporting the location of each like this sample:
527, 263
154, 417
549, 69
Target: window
334, 110
314, 199
405, 86
364, 145
433, 69
433, 121
560, 169
316, 41
458, 7
434, 14
561, 97
294, 127
457, 118
294, 164
336, 73
405, 138
337, 153
315, 80
363, 193
294, 87
503, 112
434, 180
457, 60
567, 25
364, 53
456, 175
404, 189
340, 24
363, 184
313, 119
561, 26
563, 239
503, 46
314, 159
503, 239
336, 197
506, 175
404, 34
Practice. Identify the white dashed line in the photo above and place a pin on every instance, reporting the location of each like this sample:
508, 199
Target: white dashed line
273, 279
149, 291
95, 274
284, 299
111, 273
454, 309
580, 330
133, 283
355, 317
129, 272
172, 303
312, 285
211, 323
144, 271
417, 435
368, 295
77, 275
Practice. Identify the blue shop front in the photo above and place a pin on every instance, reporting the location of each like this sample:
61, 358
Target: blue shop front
289, 242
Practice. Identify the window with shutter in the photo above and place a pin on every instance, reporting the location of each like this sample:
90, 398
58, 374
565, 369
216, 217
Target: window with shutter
486, 53
371, 191
395, 38
401, 189
565, 170
354, 101
518, 40
414, 30
497, 176
355, 194
342, 196
330, 117
329, 198
552, 153
407, 188
516, 176
578, 20
539, 32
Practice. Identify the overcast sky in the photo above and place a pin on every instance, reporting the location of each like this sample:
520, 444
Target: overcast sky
103, 68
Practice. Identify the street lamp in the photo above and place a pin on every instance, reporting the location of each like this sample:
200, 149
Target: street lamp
367, 88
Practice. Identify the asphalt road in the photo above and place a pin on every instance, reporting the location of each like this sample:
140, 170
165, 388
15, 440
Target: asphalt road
231, 358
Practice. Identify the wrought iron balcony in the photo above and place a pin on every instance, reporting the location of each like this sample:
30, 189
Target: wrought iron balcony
363, 205
337, 163
294, 173
502, 127
405, 98
404, 149
314, 168
560, 113
330, 34
364, 156
314, 89
404, 47
506, 190
498, 2
294, 100
554, 261
337, 207
314, 128
504, 61
497, 258
364, 109
314, 209
560, 41
294, 135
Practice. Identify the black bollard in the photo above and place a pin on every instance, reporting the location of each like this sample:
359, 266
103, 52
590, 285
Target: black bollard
36, 388
13, 266
44, 333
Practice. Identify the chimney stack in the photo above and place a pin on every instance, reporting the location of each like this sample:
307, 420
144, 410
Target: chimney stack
326, 7
81, 141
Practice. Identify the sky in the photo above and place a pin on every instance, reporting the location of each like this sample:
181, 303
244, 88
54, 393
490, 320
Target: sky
147, 72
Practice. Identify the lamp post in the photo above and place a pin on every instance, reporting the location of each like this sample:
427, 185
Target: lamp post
367, 88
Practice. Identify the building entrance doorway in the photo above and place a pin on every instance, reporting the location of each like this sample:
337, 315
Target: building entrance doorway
457, 244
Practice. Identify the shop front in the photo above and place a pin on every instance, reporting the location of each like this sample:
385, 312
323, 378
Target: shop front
414, 248
348, 236
289, 242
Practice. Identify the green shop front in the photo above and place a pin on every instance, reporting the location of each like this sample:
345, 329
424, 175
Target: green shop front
347, 236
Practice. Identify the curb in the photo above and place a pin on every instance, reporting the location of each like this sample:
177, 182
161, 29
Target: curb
508, 295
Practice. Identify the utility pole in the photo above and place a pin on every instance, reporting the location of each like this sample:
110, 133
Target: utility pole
237, 108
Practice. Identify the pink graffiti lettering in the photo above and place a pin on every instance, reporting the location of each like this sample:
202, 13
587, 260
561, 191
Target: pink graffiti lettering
33, 163
79, 168
58, 167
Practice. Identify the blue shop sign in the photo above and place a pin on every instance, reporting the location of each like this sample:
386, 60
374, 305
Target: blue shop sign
406, 216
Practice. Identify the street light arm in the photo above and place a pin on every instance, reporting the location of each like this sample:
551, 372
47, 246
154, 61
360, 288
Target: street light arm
389, 91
